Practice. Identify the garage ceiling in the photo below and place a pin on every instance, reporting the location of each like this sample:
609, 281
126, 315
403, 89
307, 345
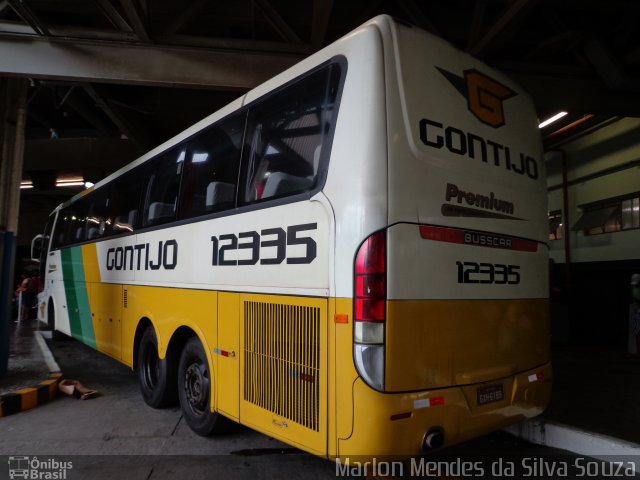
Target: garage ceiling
113, 78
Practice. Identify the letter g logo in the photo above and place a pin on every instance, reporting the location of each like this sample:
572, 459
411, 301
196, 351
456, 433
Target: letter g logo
485, 96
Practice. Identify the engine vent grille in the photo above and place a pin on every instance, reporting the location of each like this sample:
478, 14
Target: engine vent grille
282, 360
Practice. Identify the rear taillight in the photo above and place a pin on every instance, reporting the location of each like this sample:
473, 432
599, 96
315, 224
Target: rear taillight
370, 308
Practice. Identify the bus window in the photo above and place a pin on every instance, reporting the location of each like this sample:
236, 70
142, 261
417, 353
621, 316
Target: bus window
286, 134
71, 225
161, 193
124, 203
211, 170
97, 214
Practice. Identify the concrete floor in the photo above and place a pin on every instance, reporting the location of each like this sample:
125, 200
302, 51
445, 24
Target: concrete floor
117, 436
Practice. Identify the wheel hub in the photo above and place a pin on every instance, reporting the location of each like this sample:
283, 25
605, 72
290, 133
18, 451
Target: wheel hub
196, 386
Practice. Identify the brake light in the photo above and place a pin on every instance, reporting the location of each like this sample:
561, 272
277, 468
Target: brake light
370, 308
371, 279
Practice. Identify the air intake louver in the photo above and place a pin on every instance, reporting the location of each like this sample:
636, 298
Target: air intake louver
282, 360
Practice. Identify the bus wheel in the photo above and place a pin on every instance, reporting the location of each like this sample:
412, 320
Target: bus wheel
156, 376
194, 390
51, 323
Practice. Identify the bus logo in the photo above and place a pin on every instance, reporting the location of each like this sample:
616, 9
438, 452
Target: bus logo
18, 467
484, 95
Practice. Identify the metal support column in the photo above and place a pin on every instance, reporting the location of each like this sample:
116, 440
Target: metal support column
13, 96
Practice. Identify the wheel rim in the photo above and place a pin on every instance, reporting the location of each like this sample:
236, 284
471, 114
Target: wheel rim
150, 367
196, 386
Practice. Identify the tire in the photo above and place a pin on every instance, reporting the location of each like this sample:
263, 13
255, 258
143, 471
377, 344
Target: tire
56, 336
157, 377
194, 391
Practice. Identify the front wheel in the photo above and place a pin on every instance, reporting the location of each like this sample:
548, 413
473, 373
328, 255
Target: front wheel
194, 391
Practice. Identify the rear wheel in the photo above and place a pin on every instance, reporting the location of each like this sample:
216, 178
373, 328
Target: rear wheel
194, 391
156, 376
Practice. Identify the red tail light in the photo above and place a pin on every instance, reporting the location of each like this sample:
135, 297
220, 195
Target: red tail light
370, 309
371, 279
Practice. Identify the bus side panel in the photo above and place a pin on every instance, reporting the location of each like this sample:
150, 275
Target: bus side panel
76, 296
228, 350
105, 301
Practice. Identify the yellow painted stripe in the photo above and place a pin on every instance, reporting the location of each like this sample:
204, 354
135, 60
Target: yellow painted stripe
90, 263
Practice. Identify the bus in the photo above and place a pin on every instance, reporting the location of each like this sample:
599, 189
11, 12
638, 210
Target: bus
349, 258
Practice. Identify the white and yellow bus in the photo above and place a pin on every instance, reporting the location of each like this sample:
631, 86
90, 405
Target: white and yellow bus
350, 258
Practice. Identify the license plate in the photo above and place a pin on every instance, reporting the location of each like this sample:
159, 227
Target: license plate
490, 394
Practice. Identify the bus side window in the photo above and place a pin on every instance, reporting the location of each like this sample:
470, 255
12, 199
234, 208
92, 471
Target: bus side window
97, 214
123, 204
211, 170
287, 133
161, 192
70, 227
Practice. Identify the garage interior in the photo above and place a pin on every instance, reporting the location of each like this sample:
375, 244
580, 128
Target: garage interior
100, 82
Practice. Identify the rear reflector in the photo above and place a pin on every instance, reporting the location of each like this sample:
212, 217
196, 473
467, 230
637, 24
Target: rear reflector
479, 239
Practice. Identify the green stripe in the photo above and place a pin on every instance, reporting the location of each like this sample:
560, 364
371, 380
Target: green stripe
77, 297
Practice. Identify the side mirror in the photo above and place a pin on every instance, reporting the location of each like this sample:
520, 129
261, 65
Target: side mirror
36, 247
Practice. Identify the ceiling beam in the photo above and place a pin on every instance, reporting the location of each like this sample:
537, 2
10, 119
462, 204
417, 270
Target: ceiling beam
276, 21
135, 13
185, 16
16, 27
505, 26
137, 132
30, 18
113, 15
320, 22
85, 111
109, 62
607, 67
245, 44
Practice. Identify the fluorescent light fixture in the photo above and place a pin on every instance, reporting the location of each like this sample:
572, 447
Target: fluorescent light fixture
556, 117
69, 183
24, 184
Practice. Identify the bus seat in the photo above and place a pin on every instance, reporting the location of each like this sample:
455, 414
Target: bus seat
159, 210
132, 217
316, 159
79, 231
93, 232
280, 183
219, 193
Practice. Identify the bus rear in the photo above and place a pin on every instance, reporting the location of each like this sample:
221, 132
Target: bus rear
451, 332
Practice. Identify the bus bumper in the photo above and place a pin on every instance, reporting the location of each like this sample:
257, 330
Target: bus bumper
395, 425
